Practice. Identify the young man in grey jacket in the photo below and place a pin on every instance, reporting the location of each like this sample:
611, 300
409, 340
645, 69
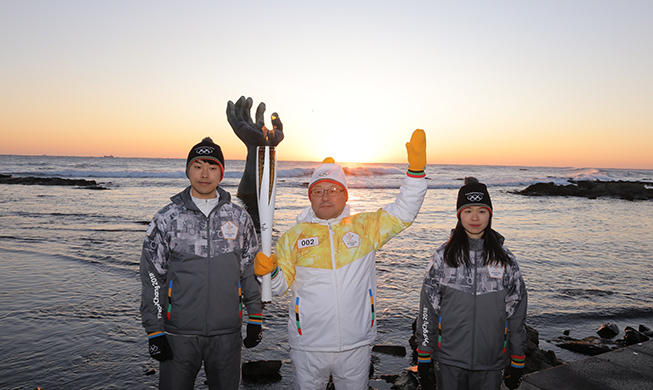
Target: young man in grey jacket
197, 272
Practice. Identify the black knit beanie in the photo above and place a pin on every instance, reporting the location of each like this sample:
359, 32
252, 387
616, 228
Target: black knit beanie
206, 150
473, 193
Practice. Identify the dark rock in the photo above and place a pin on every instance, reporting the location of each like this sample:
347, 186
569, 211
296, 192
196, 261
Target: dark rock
608, 331
536, 358
150, 371
407, 380
628, 190
566, 332
590, 346
389, 378
379, 384
262, 371
633, 337
394, 350
645, 331
51, 181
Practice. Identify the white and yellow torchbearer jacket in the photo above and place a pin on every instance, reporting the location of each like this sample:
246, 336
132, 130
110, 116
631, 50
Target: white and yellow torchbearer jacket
330, 267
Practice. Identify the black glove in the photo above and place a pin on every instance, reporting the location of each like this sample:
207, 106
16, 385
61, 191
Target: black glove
254, 335
426, 373
512, 377
426, 370
253, 133
159, 347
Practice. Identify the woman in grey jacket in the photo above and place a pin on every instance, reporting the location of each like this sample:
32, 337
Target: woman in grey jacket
473, 302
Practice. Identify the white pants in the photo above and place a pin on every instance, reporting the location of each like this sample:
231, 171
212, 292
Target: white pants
349, 370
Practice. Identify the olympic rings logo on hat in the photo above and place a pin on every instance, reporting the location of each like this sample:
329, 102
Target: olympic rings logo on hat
323, 174
474, 196
204, 150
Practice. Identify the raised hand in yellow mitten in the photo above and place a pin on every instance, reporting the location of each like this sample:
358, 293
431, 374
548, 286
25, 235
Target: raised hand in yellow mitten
264, 264
416, 149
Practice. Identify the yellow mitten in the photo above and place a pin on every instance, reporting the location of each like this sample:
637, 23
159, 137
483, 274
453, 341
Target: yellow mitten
416, 149
263, 264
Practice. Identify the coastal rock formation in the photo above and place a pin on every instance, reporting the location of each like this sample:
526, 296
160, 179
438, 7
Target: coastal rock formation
633, 336
590, 346
593, 345
536, 358
51, 181
394, 350
627, 190
608, 331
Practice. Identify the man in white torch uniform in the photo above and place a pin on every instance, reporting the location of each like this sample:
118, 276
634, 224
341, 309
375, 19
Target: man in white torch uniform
328, 259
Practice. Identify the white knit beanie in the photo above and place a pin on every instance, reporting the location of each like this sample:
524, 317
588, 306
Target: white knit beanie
328, 171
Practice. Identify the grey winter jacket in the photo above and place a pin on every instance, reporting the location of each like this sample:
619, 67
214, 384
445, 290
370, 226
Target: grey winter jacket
193, 268
472, 317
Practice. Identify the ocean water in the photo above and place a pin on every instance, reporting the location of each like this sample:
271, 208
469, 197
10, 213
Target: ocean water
69, 257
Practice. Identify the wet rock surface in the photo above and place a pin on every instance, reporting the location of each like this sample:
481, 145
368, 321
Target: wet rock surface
592, 345
608, 331
627, 190
51, 181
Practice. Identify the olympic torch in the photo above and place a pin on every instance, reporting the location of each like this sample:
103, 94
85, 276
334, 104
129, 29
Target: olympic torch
266, 188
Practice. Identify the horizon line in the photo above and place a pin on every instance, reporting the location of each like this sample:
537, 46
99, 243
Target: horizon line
342, 162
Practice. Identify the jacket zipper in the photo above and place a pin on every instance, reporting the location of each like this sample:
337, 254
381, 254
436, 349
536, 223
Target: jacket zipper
335, 282
208, 256
474, 320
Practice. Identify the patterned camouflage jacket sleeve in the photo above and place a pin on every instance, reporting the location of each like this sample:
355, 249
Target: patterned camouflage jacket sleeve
426, 332
516, 307
153, 269
250, 285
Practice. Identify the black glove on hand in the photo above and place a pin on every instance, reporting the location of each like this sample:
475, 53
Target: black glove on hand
250, 132
512, 377
159, 347
426, 375
254, 335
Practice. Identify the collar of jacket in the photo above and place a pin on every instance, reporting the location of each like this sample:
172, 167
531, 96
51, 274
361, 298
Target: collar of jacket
476, 244
186, 199
308, 215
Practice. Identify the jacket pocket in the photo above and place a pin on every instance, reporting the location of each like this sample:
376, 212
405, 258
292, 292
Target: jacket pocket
186, 292
225, 304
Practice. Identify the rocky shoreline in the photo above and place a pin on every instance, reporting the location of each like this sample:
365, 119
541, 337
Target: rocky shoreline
51, 181
593, 189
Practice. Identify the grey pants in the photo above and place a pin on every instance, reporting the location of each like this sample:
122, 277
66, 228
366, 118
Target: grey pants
455, 378
221, 357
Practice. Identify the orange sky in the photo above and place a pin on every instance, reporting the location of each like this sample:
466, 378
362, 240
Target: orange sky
556, 84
